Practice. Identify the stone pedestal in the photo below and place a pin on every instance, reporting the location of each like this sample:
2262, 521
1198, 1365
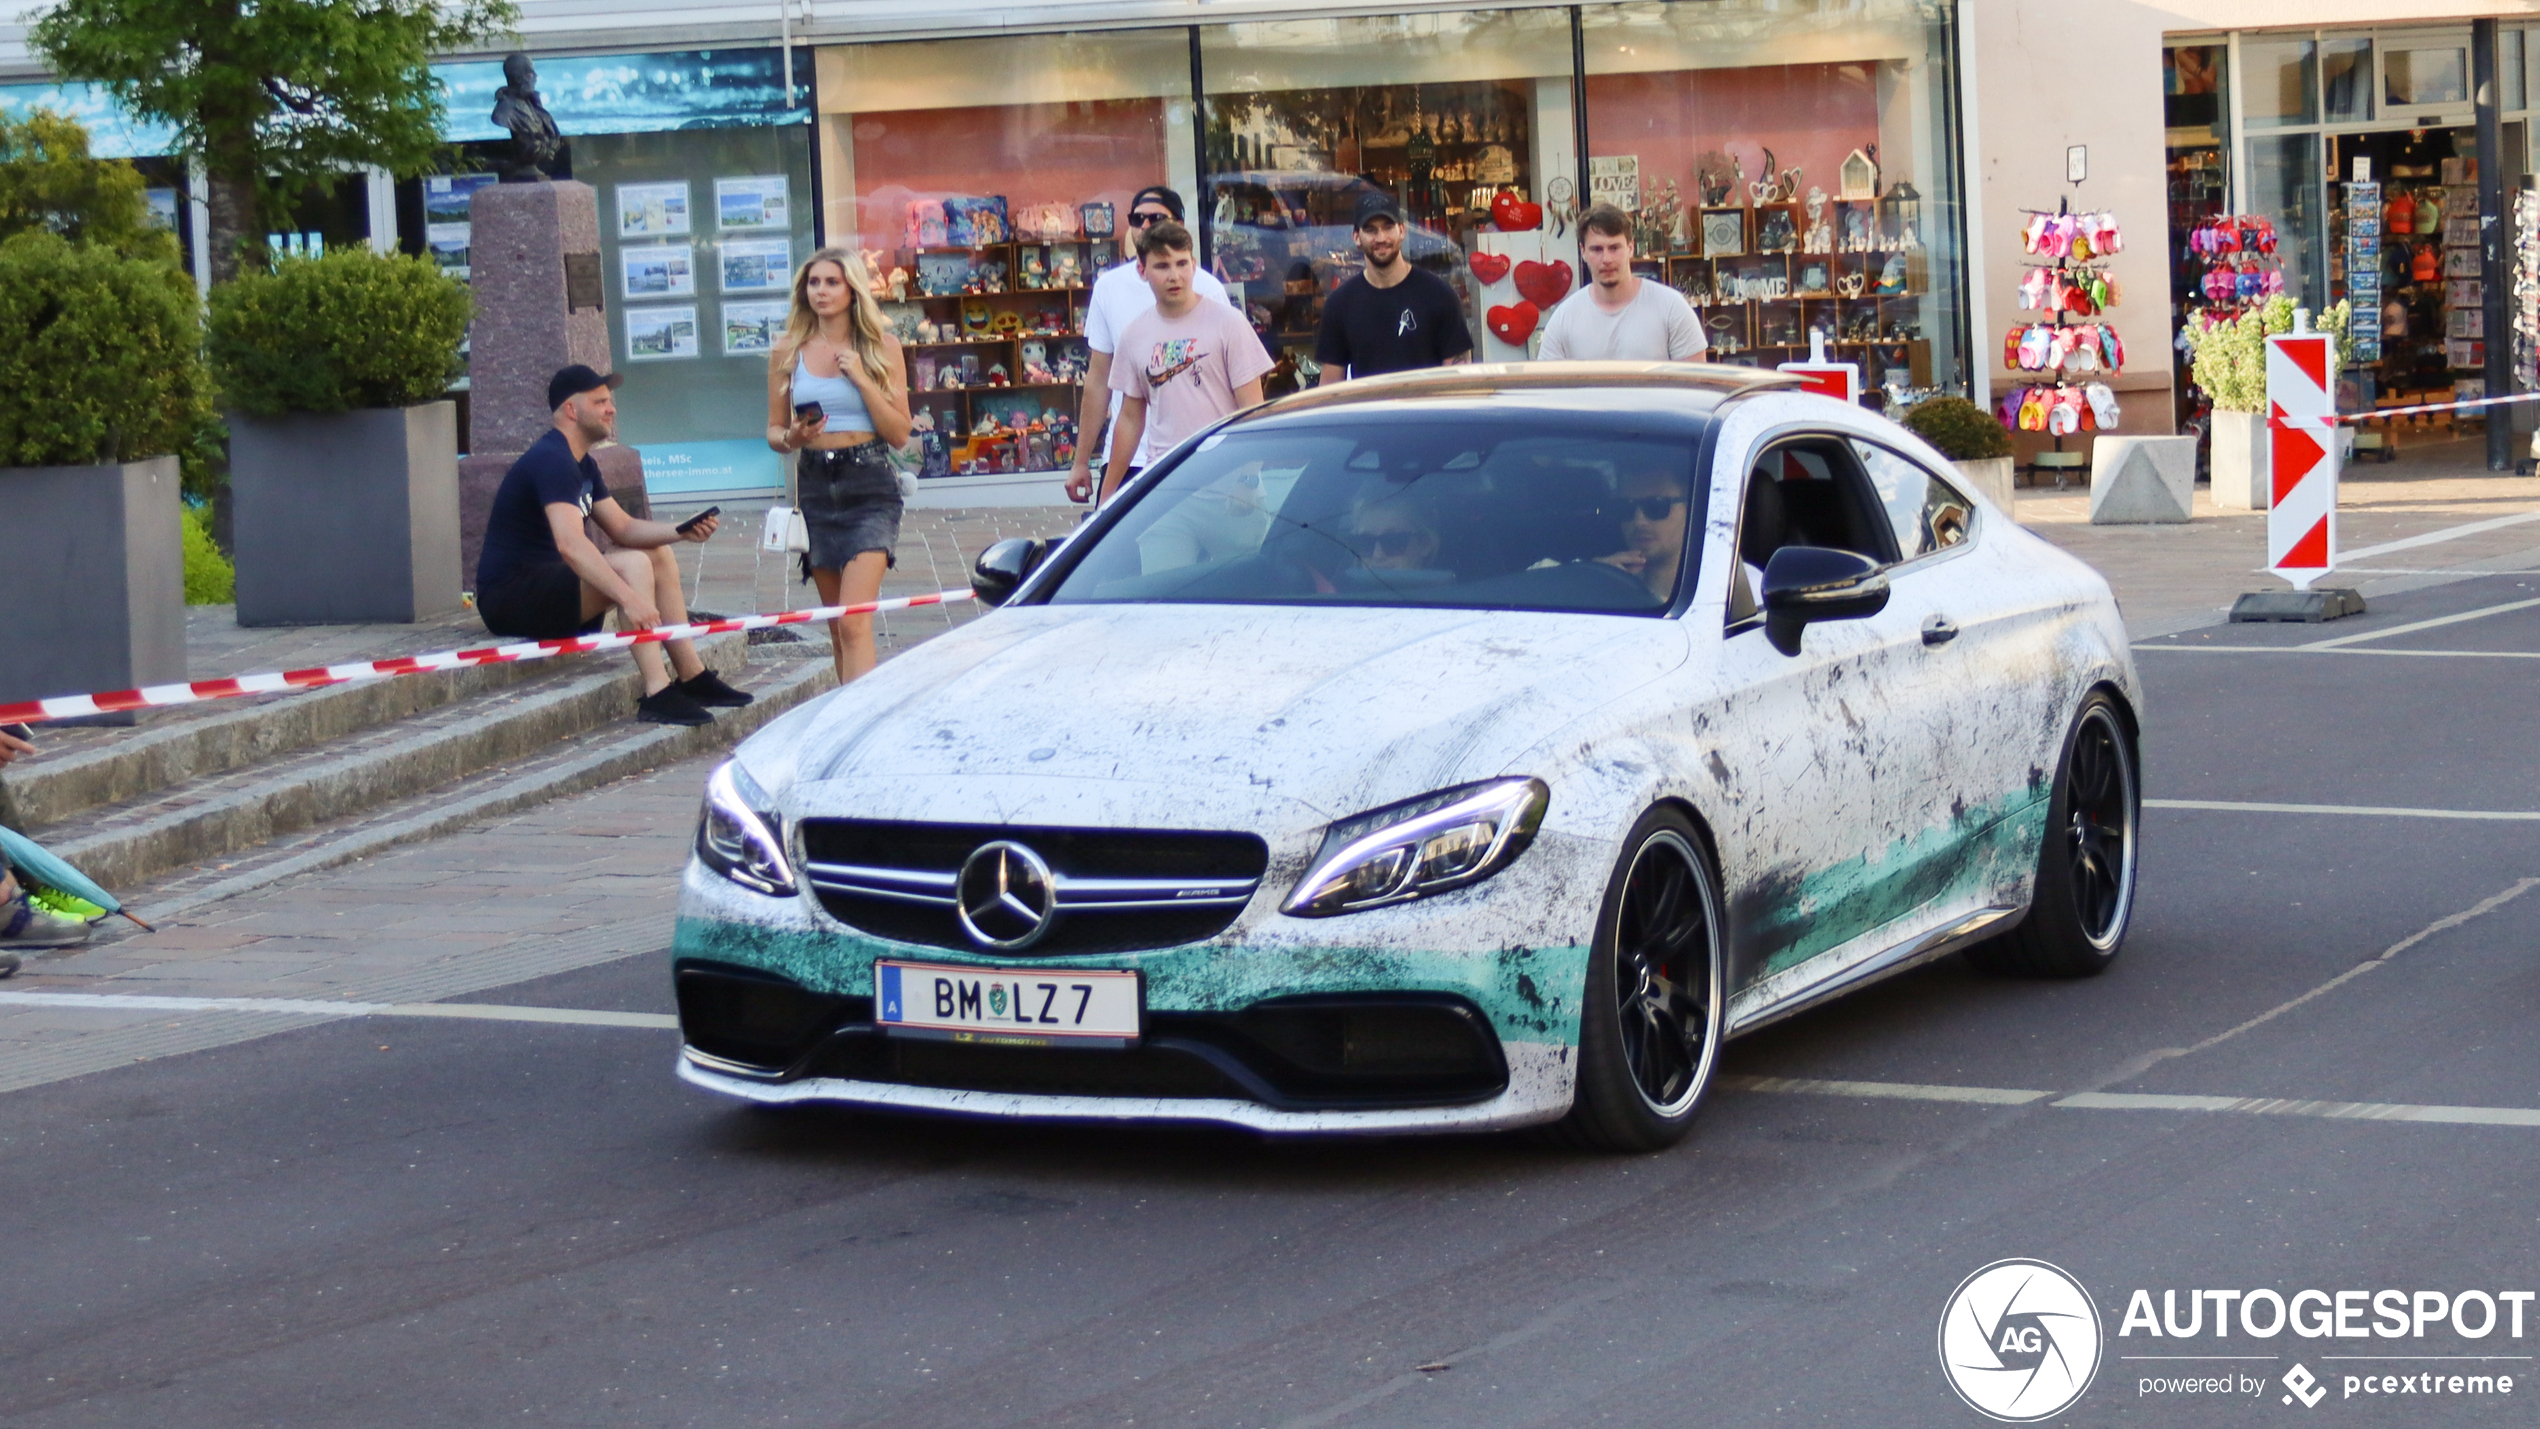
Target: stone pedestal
534, 261
92, 579
2142, 480
2242, 465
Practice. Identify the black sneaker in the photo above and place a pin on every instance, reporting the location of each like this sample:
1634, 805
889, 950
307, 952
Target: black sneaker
668, 706
709, 690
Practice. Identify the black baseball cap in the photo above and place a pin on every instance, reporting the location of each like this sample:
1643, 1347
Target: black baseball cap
574, 381
1375, 204
1165, 196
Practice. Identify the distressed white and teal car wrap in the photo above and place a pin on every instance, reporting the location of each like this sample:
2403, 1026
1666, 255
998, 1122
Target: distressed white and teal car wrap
1857, 790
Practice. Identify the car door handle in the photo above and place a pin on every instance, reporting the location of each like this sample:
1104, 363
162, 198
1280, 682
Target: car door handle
1938, 631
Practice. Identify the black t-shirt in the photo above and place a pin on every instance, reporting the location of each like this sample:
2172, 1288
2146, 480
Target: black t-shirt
516, 531
1415, 323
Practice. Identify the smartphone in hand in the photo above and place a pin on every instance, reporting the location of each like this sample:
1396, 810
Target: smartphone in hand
684, 527
810, 412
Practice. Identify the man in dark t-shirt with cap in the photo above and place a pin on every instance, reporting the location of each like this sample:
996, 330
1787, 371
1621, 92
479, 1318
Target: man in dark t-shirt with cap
540, 578
1391, 317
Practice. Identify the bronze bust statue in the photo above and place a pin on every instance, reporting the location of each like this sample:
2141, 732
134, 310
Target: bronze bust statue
536, 142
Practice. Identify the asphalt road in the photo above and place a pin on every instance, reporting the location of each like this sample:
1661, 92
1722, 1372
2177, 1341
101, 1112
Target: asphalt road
449, 1222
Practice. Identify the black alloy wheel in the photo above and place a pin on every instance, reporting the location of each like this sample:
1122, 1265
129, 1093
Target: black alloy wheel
2084, 895
1651, 1025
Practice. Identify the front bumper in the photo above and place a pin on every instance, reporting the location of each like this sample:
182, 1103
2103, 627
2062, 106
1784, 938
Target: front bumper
1540, 1080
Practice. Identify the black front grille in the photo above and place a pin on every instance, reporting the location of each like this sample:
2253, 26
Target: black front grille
1300, 1053
895, 880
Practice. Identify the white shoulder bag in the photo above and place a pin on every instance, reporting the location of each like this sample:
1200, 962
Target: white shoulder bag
785, 532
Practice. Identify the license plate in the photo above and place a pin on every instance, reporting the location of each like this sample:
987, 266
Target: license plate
1010, 1007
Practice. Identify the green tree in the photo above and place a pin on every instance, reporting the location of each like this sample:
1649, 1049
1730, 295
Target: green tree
49, 182
272, 96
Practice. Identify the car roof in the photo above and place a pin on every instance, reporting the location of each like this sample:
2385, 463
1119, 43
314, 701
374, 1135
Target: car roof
1689, 388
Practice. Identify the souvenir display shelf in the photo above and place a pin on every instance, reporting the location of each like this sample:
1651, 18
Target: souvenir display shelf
1762, 276
2431, 301
968, 319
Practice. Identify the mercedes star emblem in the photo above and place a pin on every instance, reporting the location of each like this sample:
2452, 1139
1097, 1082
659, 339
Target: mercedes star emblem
1006, 896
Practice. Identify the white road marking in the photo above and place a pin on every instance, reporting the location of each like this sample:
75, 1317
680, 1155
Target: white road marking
2411, 628
2345, 650
1902, 1091
2147, 1101
2234, 806
2448, 533
471, 1011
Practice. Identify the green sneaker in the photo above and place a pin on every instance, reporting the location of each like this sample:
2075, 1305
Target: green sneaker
54, 900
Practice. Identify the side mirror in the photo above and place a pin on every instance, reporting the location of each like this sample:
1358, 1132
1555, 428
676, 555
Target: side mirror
1002, 567
1811, 583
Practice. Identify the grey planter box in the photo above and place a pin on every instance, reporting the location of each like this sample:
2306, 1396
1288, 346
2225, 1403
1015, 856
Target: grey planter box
346, 518
1994, 476
92, 579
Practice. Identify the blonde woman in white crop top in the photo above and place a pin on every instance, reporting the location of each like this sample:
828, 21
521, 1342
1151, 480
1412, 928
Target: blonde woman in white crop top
837, 351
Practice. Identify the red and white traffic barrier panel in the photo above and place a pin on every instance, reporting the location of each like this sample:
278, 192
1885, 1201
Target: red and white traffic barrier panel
2302, 439
155, 696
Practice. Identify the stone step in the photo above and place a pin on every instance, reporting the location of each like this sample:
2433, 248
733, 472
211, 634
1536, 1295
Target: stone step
568, 766
191, 742
315, 783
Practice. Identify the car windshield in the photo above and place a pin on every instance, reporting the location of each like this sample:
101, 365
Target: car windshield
1485, 511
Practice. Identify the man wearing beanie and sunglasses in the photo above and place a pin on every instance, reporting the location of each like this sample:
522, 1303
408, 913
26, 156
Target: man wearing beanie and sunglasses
1120, 296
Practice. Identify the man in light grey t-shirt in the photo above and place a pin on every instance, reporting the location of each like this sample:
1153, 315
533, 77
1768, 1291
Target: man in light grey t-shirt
1619, 316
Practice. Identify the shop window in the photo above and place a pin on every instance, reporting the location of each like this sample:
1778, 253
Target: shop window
2197, 112
989, 182
2346, 79
702, 168
2279, 81
2510, 73
1792, 172
1445, 112
2284, 186
2423, 77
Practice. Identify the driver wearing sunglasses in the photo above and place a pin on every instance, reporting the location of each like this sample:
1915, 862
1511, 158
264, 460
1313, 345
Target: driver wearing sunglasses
1649, 506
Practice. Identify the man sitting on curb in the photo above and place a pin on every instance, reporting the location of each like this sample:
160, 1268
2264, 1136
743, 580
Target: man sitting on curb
541, 578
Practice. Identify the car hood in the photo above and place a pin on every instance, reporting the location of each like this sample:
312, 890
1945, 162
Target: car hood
1191, 710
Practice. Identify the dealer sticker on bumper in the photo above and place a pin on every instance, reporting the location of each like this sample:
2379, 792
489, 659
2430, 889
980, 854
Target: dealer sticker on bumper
1013, 1007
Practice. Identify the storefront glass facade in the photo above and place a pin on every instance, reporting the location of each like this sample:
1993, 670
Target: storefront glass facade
703, 166
1044, 139
2311, 108
1796, 167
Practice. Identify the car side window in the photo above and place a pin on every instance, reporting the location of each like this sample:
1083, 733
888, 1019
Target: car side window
1926, 513
1804, 491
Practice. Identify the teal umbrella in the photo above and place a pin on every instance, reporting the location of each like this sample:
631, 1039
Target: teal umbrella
35, 865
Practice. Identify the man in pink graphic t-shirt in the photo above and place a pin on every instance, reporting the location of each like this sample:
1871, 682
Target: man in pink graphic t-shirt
1179, 367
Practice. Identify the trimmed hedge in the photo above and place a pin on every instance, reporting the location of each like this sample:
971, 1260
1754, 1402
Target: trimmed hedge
209, 577
347, 332
100, 355
1958, 429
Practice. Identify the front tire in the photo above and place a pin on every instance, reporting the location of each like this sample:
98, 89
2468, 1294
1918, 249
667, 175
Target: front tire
1651, 1024
2084, 897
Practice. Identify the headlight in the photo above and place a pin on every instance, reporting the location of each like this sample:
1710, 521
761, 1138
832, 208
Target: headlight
1431, 844
736, 835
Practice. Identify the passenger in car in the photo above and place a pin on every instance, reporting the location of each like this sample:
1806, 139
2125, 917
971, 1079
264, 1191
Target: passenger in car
1650, 508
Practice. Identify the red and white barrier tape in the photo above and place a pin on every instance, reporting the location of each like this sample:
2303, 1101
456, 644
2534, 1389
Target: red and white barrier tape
71, 706
2374, 416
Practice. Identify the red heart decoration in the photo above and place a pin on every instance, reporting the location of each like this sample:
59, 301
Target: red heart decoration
1543, 284
1489, 267
1521, 218
1513, 325
1502, 206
